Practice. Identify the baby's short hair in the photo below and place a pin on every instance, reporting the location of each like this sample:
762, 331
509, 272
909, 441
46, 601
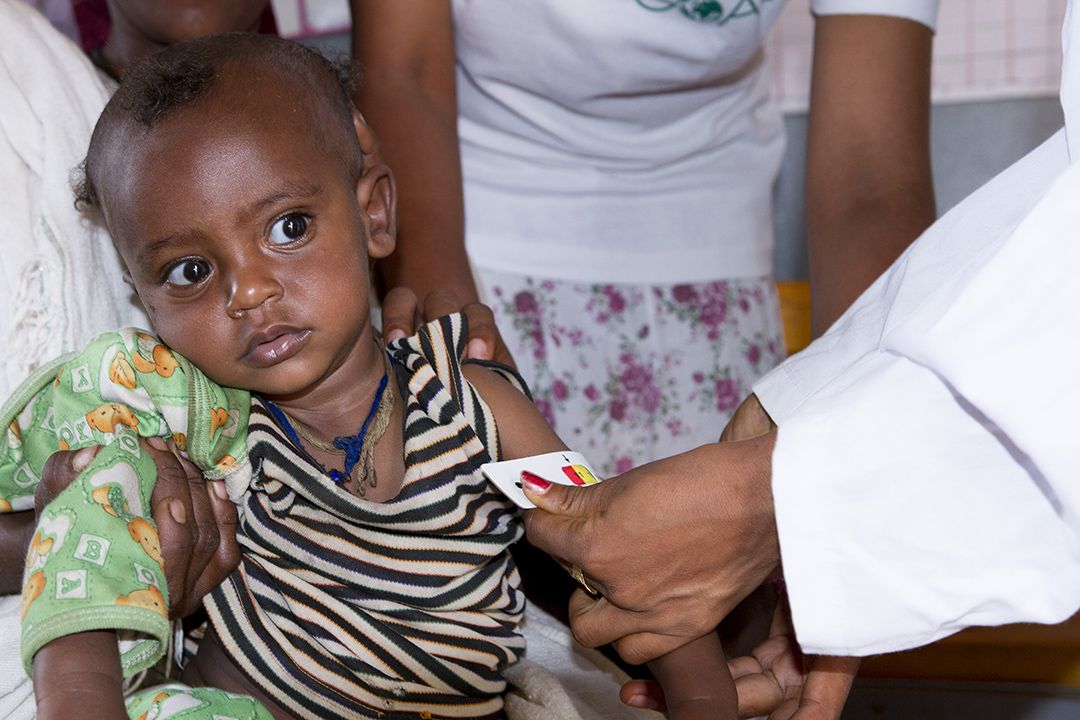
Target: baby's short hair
178, 76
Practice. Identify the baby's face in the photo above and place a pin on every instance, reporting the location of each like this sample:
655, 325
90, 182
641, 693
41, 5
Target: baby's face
244, 236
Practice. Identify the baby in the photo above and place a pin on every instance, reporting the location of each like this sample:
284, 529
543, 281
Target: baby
376, 579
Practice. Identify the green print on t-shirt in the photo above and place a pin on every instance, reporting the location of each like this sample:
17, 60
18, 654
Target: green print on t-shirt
707, 11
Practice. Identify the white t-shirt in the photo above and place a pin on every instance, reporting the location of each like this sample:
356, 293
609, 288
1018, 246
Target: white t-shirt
623, 140
926, 470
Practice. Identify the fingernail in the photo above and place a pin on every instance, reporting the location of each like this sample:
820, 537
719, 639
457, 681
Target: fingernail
82, 458
218, 488
642, 701
177, 511
477, 349
534, 482
156, 442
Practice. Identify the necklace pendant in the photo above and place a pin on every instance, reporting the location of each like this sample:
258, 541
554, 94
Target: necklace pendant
337, 477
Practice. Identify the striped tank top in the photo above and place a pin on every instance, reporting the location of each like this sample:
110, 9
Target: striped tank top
345, 608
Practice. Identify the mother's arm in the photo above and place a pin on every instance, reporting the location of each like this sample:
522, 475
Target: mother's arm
869, 190
408, 94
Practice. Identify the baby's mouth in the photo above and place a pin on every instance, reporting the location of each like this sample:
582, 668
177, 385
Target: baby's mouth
275, 344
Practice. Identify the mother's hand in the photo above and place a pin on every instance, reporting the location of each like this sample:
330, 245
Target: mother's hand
673, 545
196, 521
401, 317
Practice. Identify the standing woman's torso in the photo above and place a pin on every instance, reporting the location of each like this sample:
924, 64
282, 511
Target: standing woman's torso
630, 140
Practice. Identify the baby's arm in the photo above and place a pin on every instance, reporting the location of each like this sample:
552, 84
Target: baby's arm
696, 681
79, 676
95, 564
522, 429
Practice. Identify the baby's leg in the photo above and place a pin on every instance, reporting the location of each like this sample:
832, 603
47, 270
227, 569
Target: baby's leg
696, 681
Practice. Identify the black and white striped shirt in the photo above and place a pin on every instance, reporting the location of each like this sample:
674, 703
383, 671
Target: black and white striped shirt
345, 608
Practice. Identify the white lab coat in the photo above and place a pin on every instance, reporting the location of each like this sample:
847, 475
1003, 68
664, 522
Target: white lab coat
927, 469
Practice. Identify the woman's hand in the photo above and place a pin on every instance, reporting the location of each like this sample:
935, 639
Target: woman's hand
196, 520
401, 317
673, 545
779, 682
776, 681
748, 421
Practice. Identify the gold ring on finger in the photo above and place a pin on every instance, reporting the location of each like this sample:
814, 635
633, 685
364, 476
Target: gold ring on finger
577, 574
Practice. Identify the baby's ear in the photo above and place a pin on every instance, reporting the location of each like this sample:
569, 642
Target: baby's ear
371, 153
376, 193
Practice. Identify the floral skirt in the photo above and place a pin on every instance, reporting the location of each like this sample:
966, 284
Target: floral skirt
627, 374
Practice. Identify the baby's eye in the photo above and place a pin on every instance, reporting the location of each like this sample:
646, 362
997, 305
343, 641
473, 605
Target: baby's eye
190, 271
289, 228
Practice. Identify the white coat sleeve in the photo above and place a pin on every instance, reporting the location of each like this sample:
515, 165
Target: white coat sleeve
925, 473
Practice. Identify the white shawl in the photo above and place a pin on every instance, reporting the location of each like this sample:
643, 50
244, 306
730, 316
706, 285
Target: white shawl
60, 275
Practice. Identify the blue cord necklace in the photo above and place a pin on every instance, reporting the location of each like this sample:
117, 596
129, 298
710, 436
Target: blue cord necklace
357, 449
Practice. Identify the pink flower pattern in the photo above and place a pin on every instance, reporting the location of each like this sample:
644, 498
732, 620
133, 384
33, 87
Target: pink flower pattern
631, 373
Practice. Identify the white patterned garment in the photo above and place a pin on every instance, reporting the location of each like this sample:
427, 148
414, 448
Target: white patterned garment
627, 374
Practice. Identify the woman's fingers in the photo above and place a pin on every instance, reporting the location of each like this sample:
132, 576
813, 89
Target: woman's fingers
778, 682
485, 342
60, 469
672, 545
174, 514
826, 688
638, 637
441, 302
401, 317
400, 314
646, 694
226, 555
196, 527
207, 535
749, 421
196, 522
759, 694
777, 687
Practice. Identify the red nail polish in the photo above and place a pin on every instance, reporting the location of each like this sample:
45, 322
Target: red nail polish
536, 483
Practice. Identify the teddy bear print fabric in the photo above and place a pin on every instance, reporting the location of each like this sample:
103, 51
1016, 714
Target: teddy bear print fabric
95, 561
